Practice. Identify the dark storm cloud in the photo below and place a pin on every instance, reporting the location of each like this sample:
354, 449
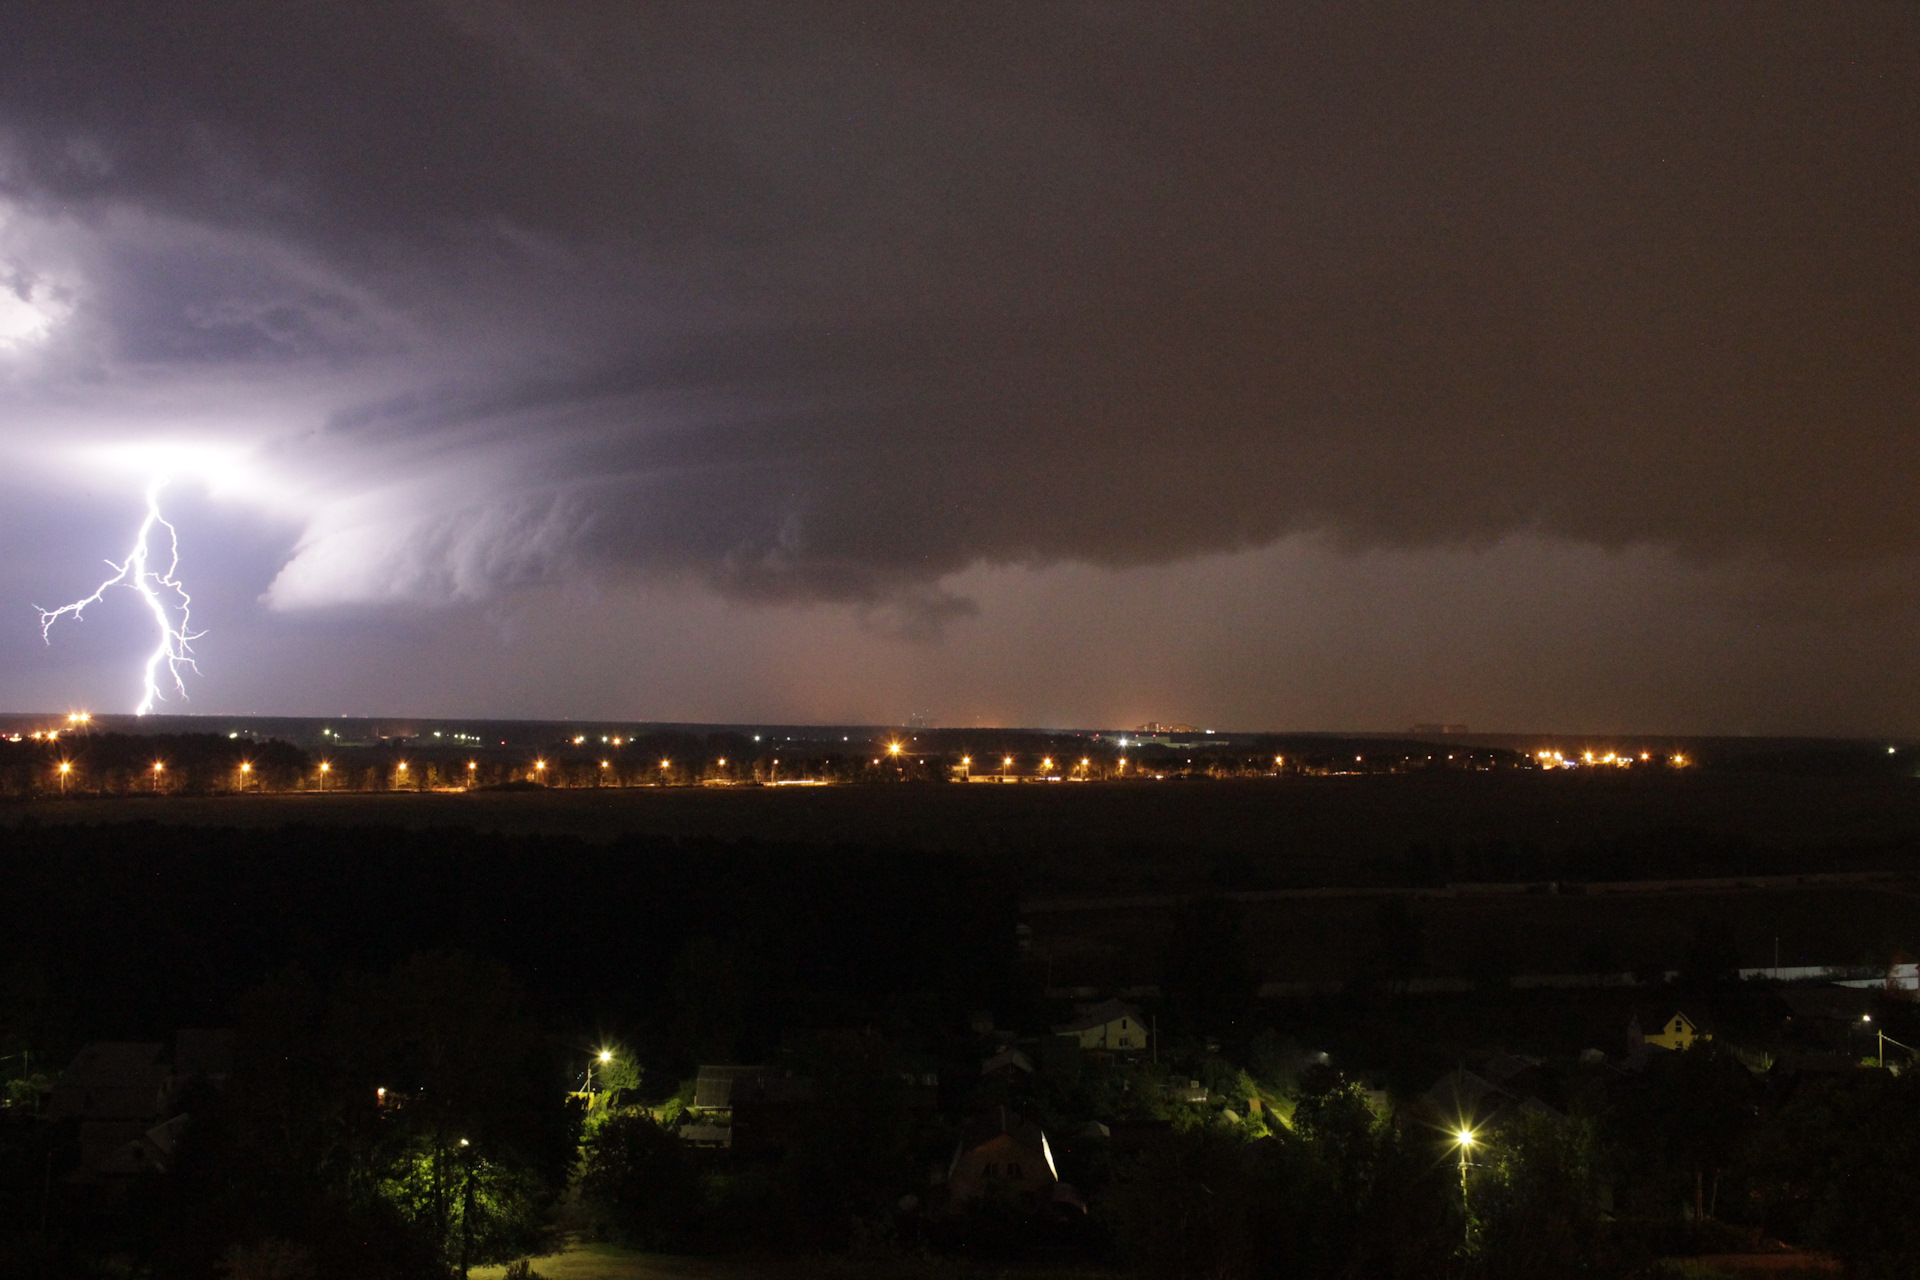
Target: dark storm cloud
836, 300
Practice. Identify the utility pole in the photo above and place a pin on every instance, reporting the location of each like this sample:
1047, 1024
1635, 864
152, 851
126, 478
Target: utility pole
466, 1215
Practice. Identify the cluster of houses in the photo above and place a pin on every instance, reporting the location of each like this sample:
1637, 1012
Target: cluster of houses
745, 1113
128, 1100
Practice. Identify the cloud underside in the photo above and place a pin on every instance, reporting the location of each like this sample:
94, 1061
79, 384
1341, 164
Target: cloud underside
835, 304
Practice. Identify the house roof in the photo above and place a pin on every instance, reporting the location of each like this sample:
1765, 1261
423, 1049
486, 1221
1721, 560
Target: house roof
112, 1079
716, 1088
1460, 1096
203, 1054
116, 1064
1089, 1016
987, 1125
1007, 1059
1835, 1003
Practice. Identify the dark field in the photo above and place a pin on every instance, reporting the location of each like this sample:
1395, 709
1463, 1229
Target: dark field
1490, 938
1093, 846
1190, 835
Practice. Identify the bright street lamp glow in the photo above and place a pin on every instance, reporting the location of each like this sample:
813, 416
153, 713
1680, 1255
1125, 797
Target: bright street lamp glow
1464, 1137
606, 1055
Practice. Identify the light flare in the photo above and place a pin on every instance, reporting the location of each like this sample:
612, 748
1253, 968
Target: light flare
165, 599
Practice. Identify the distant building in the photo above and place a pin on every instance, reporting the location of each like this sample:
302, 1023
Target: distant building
125, 1097
750, 1110
1008, 1064
1463, 1099
1001, 1153
1109, 1025
1677, 1032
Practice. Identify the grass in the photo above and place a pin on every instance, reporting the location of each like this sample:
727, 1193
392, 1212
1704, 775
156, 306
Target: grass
610, 1262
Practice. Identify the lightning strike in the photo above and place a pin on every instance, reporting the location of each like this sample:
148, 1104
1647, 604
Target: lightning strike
165, 598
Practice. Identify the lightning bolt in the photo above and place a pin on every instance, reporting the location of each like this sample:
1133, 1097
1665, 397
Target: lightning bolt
165, 599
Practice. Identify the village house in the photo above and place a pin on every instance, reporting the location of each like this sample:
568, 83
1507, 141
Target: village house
1677, 1032
1001, 1153
1109, 1026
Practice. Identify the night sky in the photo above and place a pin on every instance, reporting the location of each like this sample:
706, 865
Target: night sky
1524, 365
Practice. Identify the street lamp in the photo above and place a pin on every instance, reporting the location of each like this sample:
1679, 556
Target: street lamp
66, 767
1464, 1139
245, 769
158, 769
325, 769
1885, 1039
603, 1058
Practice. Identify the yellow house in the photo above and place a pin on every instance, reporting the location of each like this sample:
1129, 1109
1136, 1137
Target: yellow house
1109, 1025
1678, 1032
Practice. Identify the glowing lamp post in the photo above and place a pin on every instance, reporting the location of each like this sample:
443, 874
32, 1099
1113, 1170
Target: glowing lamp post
245, 769
66, 768
540, 770
472, 767
1464, 1140
158, 769
603, 1058
325, 769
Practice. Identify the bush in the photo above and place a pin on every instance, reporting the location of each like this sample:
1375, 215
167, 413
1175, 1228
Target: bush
636, 1183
